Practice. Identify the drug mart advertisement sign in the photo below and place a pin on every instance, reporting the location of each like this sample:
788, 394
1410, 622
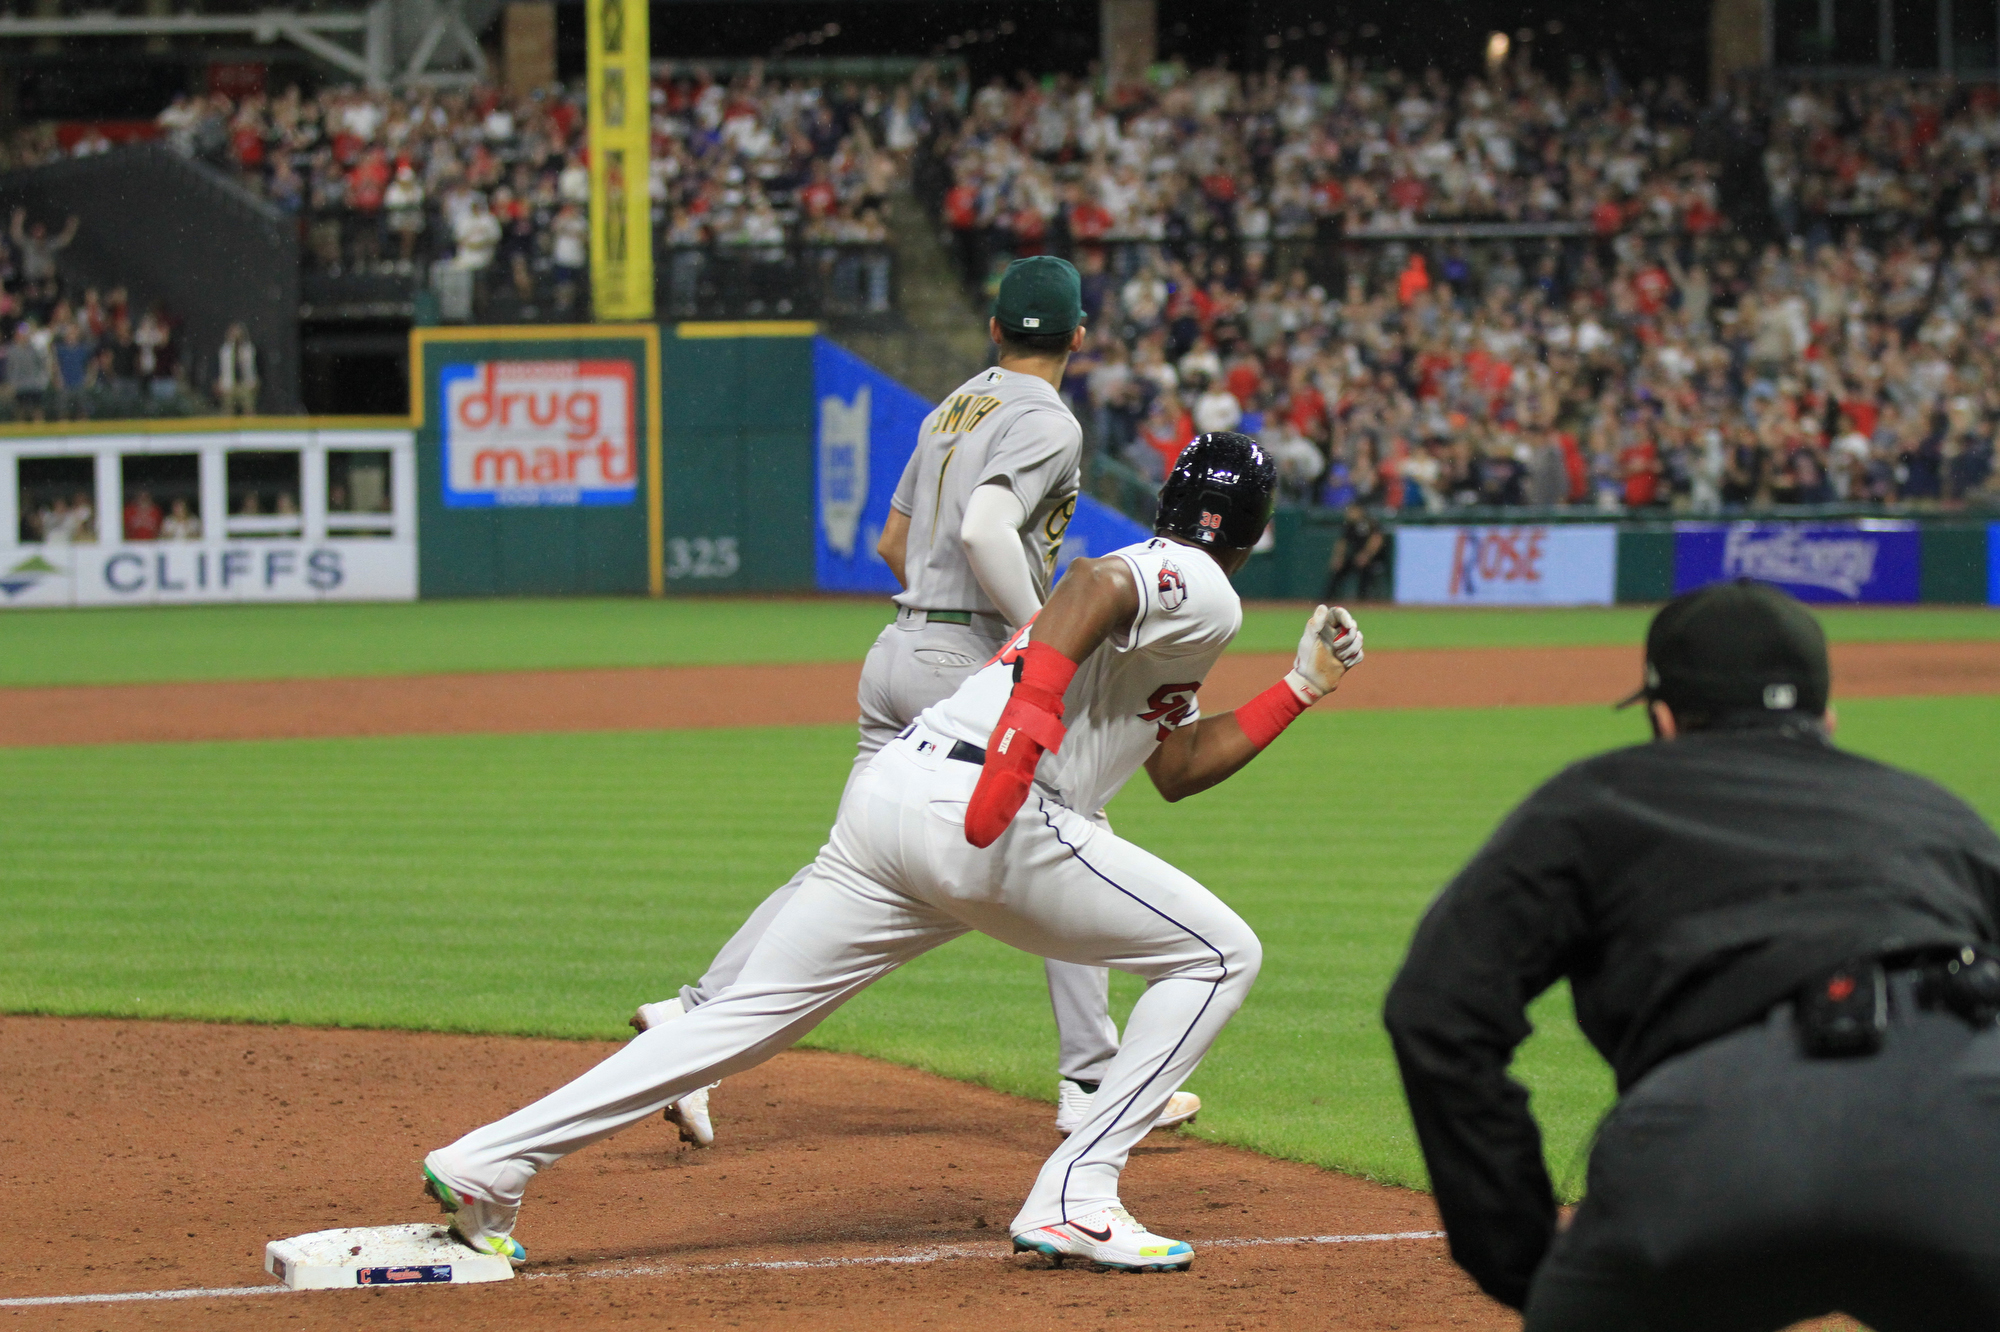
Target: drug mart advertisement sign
865, 429
1553, 565
1861, 561
537, 433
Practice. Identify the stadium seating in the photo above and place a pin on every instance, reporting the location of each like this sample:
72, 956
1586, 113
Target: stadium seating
1499, 292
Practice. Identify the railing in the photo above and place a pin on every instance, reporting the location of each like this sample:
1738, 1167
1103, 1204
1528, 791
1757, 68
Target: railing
1328, 256
364, 266
803, 280
107, 402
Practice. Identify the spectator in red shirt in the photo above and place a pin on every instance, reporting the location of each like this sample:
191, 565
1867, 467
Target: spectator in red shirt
1308, 407
1167, 430
1650, 288
142, 518
1639, 463
1408, 193
1863, 413
1415, 279
961, 214
817, 196
1030, 230
1607, 219
1244, 379
1576, 465
1089, 220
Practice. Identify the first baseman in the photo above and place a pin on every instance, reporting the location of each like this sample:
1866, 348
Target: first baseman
973, 534
978, 816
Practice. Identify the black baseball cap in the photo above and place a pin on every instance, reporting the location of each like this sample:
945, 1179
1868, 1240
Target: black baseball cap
1733, 648
1038, 295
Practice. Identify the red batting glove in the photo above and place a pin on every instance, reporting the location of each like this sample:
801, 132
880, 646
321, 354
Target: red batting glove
1029, 726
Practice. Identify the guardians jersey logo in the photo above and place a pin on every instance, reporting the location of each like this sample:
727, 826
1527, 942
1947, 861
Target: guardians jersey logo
1173, 587
1171, 706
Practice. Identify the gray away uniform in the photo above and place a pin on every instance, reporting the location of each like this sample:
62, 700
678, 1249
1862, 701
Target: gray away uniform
999, 427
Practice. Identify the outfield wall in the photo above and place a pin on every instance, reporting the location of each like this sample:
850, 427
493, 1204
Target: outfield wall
760, 457
866, 429
1587, 560
166, 513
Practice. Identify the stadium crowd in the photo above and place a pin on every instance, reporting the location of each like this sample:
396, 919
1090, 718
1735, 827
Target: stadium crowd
1254, 259
70, 353
1255, 254
498, 183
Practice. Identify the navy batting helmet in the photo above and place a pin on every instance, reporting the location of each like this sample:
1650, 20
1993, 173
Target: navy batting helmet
1220, 491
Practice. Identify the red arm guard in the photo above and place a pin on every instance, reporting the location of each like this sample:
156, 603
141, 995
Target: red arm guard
1264, 716
1030, 725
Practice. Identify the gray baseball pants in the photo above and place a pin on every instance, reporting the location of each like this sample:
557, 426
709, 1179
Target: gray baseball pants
913, 665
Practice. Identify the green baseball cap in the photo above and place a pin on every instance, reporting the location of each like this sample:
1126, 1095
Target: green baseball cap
1038, 295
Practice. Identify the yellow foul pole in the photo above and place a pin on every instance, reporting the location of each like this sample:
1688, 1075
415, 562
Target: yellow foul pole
621, 209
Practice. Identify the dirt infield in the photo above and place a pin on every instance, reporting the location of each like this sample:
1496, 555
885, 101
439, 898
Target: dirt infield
160, 1156
706, 696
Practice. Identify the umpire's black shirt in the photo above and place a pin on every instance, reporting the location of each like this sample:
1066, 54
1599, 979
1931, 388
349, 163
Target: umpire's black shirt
1684, 888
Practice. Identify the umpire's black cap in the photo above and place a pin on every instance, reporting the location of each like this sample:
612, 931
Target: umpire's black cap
1736, 647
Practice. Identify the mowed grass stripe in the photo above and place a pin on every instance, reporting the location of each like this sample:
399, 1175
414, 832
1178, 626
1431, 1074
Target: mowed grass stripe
544, 884
149, 645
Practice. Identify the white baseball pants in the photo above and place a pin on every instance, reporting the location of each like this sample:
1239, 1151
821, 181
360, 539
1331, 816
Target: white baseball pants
896, 879
910, 667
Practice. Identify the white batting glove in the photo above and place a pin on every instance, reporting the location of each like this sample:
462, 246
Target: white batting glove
1330, 649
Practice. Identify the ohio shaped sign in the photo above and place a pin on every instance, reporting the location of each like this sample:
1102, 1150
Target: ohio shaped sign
539, 433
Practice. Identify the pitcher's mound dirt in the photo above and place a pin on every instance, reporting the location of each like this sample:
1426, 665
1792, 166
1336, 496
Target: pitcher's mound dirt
141, 1156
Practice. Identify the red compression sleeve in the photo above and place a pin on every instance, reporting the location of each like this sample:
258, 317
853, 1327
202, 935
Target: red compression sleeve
1264, 716
1030, 725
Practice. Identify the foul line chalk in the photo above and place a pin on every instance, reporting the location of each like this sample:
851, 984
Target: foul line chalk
940, 1254
144, 1295
1325, 1239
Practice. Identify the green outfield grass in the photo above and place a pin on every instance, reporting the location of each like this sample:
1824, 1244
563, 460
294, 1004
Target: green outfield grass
544, 884
277, 642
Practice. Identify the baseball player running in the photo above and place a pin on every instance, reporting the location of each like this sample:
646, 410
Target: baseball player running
977, 817
973, 533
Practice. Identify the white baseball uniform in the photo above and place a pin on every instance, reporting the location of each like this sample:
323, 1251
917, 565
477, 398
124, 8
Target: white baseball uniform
897, 878
1000, 427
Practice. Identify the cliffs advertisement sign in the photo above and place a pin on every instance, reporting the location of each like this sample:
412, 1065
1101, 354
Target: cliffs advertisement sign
1868, 560
531, 433
1555, 565
157, 573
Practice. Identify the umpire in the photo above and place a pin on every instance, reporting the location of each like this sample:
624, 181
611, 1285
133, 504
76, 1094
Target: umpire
1784, 951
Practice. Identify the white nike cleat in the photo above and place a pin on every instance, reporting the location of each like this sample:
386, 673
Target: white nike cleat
1073, 1107
689, 1115
479, 1225
650, 1016
1109, 1237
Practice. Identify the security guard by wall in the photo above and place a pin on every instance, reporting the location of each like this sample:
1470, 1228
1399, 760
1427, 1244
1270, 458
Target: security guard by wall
1786, 952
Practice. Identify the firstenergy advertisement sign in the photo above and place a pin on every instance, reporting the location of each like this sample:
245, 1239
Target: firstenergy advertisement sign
529, 433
